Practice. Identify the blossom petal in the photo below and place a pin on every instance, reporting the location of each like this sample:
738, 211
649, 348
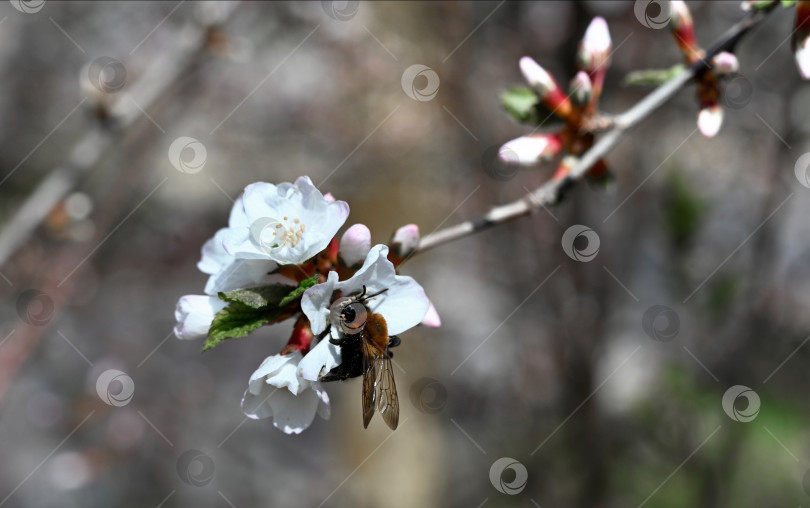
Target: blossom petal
293, 414
244, 273
322, 358
238, 217
255, 406
272, 364
194, 314
214, 256
280, 371
290, 413
324, 410
316, 301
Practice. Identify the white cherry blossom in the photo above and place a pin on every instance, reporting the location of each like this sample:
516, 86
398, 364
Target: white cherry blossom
277, 391
285, 223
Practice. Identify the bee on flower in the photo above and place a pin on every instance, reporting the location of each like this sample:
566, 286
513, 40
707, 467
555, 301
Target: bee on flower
280, 260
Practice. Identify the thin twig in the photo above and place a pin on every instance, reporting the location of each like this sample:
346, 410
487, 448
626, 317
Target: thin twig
166, 71
123, 113
552, 191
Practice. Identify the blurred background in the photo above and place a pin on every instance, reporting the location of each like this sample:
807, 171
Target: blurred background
599, 383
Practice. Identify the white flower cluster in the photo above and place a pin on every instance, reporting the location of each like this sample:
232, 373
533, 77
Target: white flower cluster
270, 227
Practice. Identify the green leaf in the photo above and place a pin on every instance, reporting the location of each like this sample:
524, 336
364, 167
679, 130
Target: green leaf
297, 292
788, 3
257, 298
237, 320
521, 103
652, 77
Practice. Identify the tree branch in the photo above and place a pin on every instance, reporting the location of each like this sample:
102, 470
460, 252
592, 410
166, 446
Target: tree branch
552, 191
123, 113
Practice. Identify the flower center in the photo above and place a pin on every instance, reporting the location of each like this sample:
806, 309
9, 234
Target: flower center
287, 232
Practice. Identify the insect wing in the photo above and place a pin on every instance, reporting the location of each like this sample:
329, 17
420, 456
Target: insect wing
387, 400
369, 396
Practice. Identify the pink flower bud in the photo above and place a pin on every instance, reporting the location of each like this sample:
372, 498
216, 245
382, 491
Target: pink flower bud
301, 337
802, 56
593, 56
580, 90
594, 50
355, 244
683, 28
432, 318
546, 88
725, 63
710, 119
404, 241
536, 76
801, 39
531, 149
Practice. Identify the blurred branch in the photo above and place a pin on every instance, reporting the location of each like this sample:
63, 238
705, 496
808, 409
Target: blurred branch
167, 69
553, 190
116, 119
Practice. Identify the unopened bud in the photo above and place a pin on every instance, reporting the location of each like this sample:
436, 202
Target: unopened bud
536, 76
725, 63
432, 318
530, 150
594, 50
581, 89
301, 337
355, 244
710, 119
546, 88
405, 241
683, 28
801, 39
